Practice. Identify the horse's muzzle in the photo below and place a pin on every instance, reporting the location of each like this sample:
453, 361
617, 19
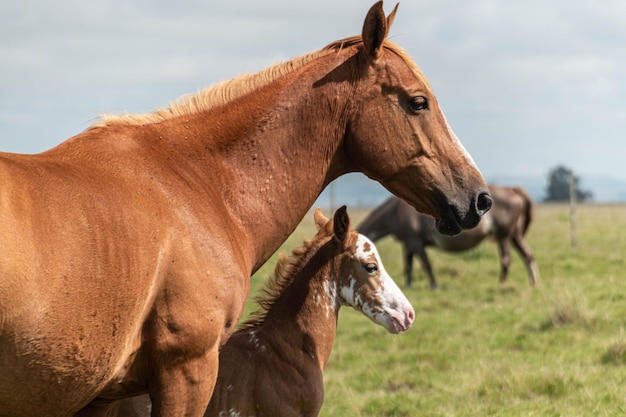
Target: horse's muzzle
452, 222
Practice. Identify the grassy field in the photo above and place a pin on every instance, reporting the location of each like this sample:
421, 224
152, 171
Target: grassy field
480, 348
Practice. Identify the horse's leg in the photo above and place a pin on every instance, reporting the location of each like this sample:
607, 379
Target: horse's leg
419, 249
182, 354
504, 248
408, 266
529, 259
182, 335
184, 389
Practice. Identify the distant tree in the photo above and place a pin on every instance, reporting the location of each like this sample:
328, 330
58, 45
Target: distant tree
559, 184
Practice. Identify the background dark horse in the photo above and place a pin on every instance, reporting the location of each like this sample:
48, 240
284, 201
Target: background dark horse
507, 222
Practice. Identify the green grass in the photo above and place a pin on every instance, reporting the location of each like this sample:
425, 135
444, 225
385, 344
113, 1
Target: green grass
480, 348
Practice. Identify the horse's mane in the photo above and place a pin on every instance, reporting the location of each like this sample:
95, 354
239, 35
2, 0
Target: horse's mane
232, 89
284, 275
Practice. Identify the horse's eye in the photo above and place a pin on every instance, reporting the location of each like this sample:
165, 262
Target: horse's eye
418, 103
370, 268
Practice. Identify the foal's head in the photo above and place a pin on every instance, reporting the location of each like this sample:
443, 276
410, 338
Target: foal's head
360, 280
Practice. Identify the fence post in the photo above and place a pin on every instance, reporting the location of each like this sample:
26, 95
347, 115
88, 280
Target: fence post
572, 211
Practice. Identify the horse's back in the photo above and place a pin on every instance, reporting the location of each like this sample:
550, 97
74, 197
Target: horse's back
395, 217
512, 209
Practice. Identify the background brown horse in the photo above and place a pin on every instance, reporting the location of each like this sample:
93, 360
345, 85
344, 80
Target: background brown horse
273, 366
127, 250
507, 222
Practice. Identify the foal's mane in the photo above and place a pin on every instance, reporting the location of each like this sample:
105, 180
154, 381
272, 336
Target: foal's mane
226, 91
284, 275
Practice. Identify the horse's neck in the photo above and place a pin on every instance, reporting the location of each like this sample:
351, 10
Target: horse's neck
308, 311
278, 148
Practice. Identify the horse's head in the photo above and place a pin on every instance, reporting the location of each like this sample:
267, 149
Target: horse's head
362, 281
398, 135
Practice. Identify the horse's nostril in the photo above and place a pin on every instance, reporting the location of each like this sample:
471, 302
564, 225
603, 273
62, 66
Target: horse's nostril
410, 316
483, 203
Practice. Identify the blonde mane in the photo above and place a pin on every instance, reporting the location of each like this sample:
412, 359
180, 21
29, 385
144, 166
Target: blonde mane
226, 91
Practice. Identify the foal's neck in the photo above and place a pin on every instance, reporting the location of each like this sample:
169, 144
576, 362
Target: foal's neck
308, 310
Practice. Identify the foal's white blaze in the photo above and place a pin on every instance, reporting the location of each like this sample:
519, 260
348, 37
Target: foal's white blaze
386, 304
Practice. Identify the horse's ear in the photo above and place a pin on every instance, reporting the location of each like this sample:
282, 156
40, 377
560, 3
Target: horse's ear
320, 219
341, 223
375, 29
391, 18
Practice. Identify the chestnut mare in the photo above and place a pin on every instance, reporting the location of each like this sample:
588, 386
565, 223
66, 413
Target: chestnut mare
273, 366
127, 250
507, 222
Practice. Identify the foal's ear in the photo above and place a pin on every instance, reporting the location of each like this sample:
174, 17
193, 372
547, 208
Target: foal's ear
375, 29
320, 219
341, 224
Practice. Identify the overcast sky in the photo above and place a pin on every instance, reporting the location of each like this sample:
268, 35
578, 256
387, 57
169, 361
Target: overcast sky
526, 85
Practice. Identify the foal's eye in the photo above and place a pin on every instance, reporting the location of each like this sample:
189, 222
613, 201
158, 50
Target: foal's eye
370, 268
418, 103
